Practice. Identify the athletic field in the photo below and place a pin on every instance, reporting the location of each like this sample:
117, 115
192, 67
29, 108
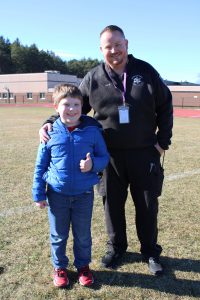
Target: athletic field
25, 267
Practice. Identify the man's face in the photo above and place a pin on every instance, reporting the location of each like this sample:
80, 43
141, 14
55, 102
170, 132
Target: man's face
114, 48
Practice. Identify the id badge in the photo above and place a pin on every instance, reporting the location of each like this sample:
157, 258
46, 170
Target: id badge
123, 114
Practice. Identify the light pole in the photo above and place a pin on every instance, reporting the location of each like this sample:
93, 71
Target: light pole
8, 93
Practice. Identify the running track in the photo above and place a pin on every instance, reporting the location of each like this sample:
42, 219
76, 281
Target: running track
188, 113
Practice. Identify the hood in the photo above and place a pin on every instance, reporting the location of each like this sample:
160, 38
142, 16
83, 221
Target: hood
86, 121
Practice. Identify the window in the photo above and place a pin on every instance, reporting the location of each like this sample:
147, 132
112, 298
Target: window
11, 96
5, 95
42, 95
0, 96
29, 96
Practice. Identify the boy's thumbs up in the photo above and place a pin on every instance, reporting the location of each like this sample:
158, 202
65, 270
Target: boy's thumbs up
88, 156
86, 165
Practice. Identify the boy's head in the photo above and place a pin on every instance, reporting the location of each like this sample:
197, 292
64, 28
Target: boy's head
68, 103
66, 90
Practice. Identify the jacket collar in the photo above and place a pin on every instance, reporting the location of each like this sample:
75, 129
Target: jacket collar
86, 121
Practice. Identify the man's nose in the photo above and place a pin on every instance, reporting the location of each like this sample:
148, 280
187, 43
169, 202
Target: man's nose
113, 50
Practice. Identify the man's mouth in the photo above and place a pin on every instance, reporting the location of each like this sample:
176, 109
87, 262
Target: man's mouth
71, 115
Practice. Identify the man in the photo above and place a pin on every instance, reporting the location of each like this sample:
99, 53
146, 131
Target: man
134, 107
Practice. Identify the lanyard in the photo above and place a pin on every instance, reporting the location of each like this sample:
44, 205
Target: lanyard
124, 87
124, 91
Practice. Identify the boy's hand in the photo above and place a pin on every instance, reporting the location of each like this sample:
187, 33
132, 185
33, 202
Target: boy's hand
44, 137
86, 165
42, 204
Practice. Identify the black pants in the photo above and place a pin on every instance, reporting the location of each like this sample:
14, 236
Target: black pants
140, 169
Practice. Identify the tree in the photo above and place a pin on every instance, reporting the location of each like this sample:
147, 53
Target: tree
17, 58
81, 67
59, 64
32, 59
6, 65
18, 55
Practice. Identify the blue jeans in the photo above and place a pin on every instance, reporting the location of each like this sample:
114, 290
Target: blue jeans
64, 211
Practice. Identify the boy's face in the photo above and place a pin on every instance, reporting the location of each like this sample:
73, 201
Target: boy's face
70, 110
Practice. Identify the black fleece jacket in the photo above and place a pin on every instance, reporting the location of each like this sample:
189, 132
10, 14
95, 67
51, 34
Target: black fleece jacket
148, 98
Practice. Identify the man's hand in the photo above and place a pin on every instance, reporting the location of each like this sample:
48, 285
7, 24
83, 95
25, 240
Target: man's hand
44, 137
160, 150
41, 204
86, 165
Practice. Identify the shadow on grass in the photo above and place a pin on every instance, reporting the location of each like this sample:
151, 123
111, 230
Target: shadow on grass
167, 283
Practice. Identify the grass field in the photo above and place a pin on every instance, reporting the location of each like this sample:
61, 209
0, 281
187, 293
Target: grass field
25, 267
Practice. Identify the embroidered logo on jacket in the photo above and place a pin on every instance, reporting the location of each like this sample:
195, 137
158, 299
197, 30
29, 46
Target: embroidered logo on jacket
137, 79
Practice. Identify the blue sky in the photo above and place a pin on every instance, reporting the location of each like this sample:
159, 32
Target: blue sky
164, 33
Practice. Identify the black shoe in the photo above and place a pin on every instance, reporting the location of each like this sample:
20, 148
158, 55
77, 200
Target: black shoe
155, 266
111, 259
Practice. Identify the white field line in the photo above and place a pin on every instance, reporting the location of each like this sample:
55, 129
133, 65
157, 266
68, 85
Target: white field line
16, 211
29, 208
182, 175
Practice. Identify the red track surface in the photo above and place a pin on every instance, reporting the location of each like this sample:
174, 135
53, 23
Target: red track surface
188, 113
27, 105
178, 112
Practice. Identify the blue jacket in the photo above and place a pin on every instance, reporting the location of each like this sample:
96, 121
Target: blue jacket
58, 161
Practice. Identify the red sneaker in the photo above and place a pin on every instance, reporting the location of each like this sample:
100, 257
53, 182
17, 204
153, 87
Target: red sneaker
60, 278
85, 276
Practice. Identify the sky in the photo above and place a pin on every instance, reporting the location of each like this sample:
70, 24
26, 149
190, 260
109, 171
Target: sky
166, 34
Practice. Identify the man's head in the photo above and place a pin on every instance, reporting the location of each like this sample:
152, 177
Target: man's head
114, 47
68, 103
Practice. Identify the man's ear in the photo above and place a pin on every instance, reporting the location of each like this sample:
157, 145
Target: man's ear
126, 43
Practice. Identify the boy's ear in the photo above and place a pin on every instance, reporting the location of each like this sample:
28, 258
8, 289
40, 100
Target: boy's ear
56, 107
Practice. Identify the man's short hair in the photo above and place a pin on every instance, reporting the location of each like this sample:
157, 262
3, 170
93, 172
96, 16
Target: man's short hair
112, 28
65, 90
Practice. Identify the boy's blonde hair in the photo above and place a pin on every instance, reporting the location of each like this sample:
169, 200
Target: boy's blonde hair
65, 90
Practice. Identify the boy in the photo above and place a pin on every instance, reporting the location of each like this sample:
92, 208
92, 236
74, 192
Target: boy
65, 173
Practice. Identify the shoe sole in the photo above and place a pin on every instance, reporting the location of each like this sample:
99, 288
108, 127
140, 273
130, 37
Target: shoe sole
82, 284
158, 273
109, 266
113, 264
60, 286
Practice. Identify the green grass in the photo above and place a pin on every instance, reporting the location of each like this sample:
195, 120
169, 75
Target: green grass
25, 267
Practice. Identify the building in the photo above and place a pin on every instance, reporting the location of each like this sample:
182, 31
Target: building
32, 87
185, 95
38, 88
